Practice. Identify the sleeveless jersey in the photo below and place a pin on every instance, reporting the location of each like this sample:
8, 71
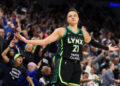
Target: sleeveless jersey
71, 44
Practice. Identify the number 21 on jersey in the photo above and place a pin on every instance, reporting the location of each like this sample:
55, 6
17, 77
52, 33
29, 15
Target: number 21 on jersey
75, 48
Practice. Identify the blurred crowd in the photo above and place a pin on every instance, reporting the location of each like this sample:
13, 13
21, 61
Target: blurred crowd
33, 21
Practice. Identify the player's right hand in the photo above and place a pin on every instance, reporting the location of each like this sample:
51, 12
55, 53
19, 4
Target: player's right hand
20, 37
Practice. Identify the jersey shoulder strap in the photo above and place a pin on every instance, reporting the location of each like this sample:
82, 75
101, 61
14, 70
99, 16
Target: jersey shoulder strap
65, 31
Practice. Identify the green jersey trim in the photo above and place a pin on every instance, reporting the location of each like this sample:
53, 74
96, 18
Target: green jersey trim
60, 63
74, 84
72, 31
65, 33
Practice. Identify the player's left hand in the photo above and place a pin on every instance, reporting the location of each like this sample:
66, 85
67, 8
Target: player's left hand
112, 48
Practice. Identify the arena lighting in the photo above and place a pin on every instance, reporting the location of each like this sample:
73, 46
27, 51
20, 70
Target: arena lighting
112, 4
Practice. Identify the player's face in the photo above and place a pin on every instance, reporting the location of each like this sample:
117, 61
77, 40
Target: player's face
72, 18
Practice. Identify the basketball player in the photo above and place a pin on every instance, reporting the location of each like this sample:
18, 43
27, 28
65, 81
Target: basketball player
67, 70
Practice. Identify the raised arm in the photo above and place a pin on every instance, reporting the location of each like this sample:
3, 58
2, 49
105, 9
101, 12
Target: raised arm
56, 35
18, 23
4, 53
30, 81
88, 39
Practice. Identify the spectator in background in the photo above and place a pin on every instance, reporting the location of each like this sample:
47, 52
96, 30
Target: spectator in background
25, 33
89, 66
84, 79
117, 67
29, 56
94, 77
103, 71
44, 72
94, 51
37, 50
2, 41
14, 67
32, 70
108, 76
1, 17
108, 41
105, 62
15, 49
3, 22
3, 45
47, 60
2, 33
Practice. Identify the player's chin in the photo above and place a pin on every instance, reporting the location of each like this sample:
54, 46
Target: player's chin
73, 22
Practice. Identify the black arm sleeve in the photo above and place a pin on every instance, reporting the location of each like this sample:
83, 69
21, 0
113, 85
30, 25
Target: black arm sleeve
98, 45
45, 49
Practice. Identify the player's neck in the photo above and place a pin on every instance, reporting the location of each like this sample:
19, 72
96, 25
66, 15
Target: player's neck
73, 27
